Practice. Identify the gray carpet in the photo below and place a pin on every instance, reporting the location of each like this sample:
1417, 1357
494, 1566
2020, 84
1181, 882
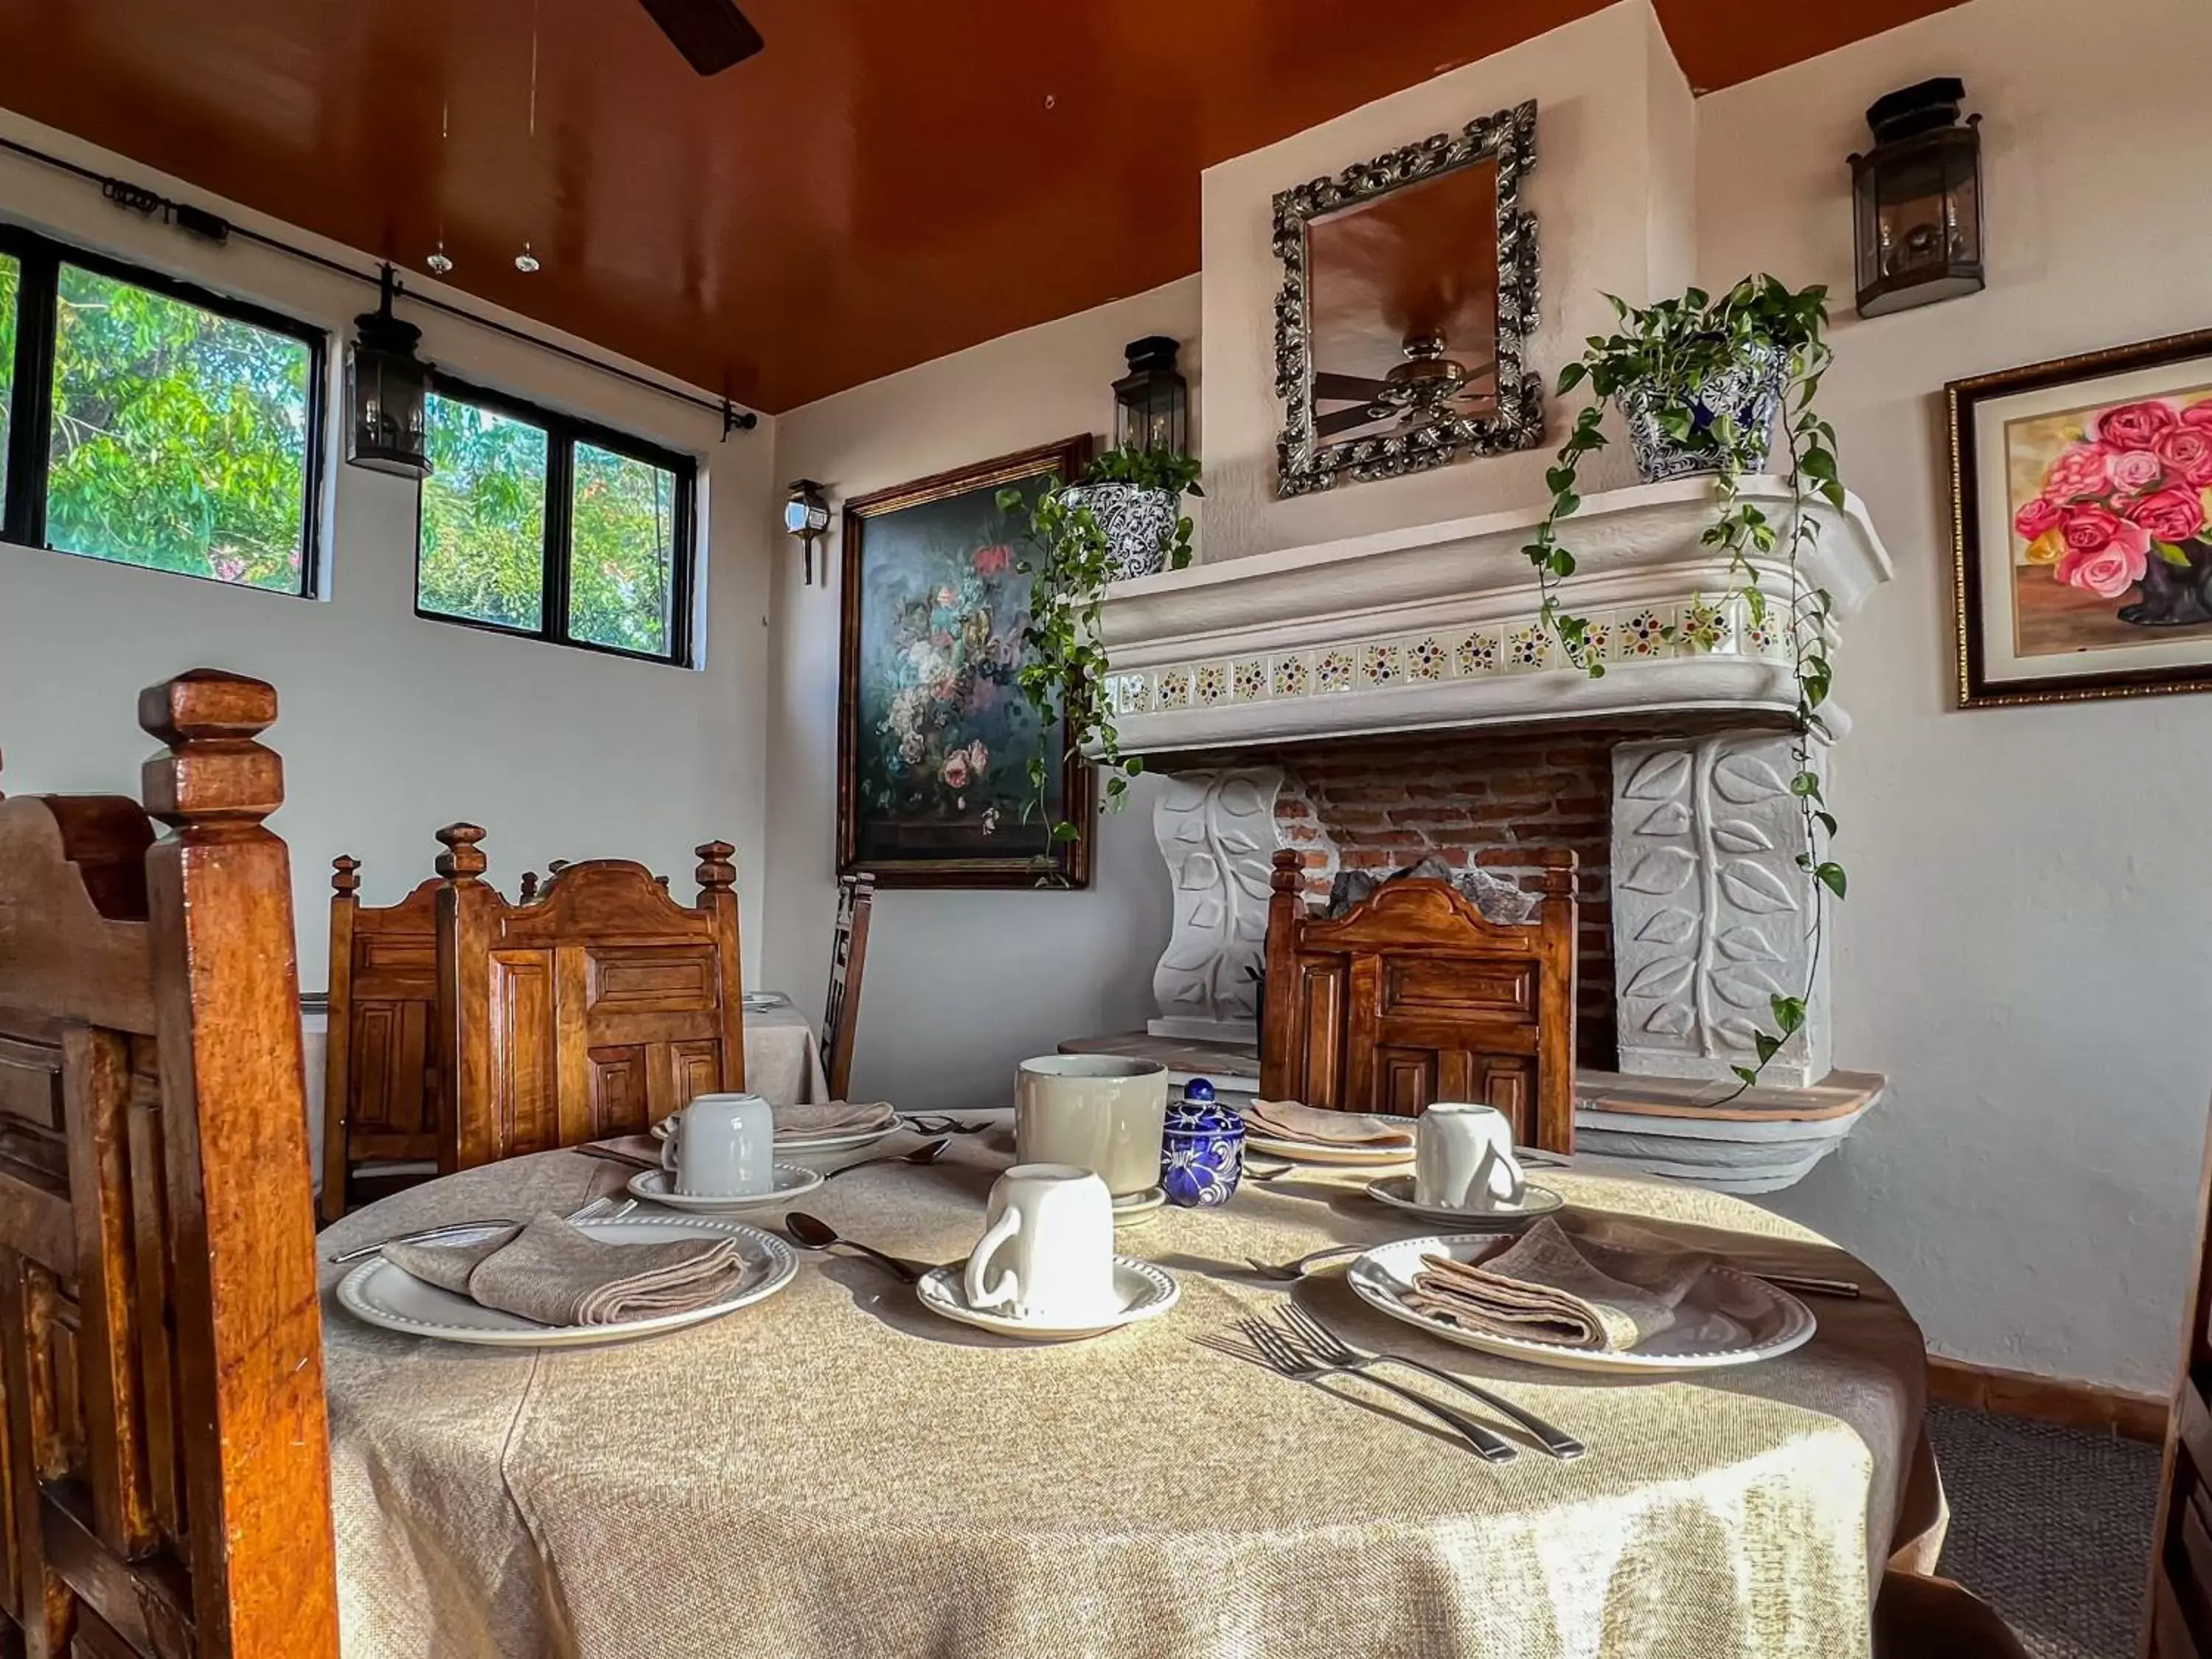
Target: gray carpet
2051, 1527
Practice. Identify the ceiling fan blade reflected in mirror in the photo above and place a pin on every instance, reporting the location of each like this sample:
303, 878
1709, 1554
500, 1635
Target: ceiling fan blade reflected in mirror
1345, 420
712, 34
1341, 387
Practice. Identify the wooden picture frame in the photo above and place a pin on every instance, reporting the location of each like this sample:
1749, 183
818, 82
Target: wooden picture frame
2082, 526
915, 807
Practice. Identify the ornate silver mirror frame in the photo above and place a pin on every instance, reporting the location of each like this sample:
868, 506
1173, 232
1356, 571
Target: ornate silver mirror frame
1305, 461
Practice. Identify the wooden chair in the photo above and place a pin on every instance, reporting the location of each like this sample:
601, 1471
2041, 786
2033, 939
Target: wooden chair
1414, 996
381, 1075
849, 955
597, 1009
165, 1472
2177, 1612
1924, 1618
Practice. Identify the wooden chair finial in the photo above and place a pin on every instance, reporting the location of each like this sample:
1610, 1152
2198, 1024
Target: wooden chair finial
528, 889
344, 874
463, 860
1289, 871
715, 873
214, 774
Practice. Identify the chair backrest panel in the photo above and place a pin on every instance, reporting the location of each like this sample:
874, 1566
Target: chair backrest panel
848, 958
164, 1479
1415, 996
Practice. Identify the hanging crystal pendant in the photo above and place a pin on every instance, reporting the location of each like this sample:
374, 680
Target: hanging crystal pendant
525, 262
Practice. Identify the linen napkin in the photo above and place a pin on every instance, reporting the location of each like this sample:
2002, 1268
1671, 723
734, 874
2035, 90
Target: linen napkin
832, 1117
558, 1274
1552, 1287
1287, 1120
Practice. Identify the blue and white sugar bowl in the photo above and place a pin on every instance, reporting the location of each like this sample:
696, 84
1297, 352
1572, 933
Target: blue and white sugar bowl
1202, 1154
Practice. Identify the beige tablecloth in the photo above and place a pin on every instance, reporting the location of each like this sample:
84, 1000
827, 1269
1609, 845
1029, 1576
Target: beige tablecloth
835, 1473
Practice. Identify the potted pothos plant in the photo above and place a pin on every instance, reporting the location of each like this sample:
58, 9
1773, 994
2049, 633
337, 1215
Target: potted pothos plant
1123, 518
1700, 382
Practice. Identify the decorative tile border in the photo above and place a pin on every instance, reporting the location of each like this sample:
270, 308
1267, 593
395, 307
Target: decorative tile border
1703, 624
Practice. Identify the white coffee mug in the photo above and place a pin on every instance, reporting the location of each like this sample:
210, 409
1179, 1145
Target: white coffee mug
1463, 1158
722, 1146
1046, 1252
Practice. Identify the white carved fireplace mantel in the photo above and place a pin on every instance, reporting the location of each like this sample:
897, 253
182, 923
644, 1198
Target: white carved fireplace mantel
1434, 629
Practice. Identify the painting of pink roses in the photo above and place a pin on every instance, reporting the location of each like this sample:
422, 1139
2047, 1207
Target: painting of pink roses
935, 739
2084, 525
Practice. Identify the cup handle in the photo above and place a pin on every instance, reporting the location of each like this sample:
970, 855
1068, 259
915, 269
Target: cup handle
997, 1235
1506, 1183
668, 1146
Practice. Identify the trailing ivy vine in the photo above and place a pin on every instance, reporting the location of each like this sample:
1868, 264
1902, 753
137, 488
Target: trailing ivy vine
1667, 353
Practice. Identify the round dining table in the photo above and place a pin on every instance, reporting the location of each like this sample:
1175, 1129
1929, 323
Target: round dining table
836, 1473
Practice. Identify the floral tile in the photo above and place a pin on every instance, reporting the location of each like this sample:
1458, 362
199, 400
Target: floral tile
1382, 663
1527, 648
1336, 670
1597, 642
1289, 676
1427, 659
1646, 631
1211, 685
1766, 637
1171, 688
1707, 627
1478, 653
1248, 680
1131, 694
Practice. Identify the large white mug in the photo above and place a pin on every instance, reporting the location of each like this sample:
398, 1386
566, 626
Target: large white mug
1463, 1158
1046, 1252
722, 1146
1101, 1112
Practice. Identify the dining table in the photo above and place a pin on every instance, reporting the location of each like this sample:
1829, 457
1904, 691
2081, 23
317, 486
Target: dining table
836, 1471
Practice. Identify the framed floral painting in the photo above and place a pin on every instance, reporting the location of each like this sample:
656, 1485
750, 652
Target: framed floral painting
2082, 524
934, 738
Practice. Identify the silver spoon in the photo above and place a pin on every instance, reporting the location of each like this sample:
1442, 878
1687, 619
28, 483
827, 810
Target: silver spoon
923, 1154
1296, 1270
810, 1232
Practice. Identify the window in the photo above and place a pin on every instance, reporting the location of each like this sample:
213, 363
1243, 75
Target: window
152, 423
534, 523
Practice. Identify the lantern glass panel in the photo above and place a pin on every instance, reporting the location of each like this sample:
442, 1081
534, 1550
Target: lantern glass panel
386, 432
1148, 413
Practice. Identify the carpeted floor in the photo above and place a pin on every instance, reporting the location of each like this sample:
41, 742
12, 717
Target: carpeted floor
2051, 1527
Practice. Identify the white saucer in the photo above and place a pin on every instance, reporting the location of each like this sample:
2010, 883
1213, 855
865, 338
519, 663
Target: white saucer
837, 1140
1317, 1151
1138, 1205
1145, 1292
655, 1186
1397, 1191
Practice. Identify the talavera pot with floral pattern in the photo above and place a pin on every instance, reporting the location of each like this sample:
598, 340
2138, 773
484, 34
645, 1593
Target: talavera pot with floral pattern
1202, 1151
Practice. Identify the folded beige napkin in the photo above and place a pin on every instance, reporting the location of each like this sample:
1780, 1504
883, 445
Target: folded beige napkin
558, 1274
1554, 1288
1287, 1120
833, 1117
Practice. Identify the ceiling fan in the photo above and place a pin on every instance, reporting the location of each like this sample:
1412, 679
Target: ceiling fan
1416, 392
712, 34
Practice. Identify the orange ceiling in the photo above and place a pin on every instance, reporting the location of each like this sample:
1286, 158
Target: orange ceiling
888, 181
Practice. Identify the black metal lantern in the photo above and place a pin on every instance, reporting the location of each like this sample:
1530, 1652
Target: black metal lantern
1151, 402
1918, 196
387, 384
806, 515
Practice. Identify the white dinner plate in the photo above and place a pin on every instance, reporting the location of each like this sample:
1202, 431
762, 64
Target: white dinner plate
1317, 1151
380, 1293
1397, 1191
1144, 1291
754, 1001
1768, 1321
657, 1186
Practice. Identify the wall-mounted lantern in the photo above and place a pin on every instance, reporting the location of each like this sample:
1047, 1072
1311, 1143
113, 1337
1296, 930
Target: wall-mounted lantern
806, 515
1919, 197
1151, 402
385, 385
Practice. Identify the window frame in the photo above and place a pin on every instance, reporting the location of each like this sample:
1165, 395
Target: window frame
31, 397
563, 432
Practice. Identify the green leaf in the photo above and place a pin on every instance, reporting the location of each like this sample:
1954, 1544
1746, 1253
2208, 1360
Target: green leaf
1788, 1012
1806, 785
1831, 876
1827, 822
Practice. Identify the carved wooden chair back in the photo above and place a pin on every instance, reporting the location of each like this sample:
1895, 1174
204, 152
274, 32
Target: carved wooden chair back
849, 955
164, 1473
1415, 996
2177, 1612
380, 1074
596, 1009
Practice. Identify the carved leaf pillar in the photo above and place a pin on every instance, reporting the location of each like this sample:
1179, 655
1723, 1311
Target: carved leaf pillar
1216, 832
1711, 915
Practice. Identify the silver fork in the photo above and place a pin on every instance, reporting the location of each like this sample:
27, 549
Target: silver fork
1294, 1271
1326, 1346
431, 1234
1270, 1349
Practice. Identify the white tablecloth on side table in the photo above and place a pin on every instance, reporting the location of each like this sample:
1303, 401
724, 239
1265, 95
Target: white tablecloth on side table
836, 1473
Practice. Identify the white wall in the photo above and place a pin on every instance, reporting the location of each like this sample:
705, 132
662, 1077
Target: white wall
2027, 948
391, 726
1614, 214
960, 985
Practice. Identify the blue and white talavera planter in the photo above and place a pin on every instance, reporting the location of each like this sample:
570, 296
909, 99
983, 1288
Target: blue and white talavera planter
1202, 1154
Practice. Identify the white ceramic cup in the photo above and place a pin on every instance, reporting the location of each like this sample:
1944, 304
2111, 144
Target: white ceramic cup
721, 1147
1100, 1112
1463, 1158
1047, 1253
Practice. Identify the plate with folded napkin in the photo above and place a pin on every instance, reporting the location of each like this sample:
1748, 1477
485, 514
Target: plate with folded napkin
1309, 1134
832, 1126
557, 1283
1558, 1299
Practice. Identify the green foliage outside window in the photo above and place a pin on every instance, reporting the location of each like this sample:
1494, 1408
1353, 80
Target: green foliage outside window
483, 550
178, 437
622, 555
11, 283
